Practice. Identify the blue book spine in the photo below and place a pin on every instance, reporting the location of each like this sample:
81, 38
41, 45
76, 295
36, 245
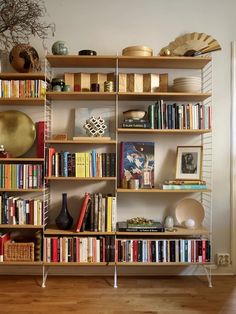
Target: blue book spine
94, 163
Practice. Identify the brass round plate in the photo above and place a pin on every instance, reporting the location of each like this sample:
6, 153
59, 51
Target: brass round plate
17, 132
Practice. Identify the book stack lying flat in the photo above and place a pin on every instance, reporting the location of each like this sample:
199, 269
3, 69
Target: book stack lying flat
151, 227
184, 185
134, 123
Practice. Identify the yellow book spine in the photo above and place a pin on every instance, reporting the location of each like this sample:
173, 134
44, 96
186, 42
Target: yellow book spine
109, 213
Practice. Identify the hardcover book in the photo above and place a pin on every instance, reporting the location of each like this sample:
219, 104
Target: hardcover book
137, 162
156, 226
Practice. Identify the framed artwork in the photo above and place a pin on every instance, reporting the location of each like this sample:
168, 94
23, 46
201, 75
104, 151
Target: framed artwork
189, 163
137, 162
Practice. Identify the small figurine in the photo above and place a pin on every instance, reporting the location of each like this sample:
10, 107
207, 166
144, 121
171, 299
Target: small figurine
3, 153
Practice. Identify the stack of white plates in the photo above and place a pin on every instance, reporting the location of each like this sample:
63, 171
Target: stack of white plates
187, 84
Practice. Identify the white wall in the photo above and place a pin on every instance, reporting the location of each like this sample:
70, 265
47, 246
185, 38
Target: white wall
108, 26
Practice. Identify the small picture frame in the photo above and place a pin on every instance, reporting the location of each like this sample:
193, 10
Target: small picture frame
189, 163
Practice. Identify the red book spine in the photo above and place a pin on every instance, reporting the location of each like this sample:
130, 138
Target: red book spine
40, 139
192, 251
203, 251
54, 249
82, 212
77, 249
135, 253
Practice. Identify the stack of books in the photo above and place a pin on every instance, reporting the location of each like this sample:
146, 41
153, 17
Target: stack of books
154, 226
183, 185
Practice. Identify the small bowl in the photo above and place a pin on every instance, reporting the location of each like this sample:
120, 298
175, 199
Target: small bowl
134, 114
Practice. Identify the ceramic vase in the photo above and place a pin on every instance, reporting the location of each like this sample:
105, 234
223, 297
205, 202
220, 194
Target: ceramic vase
64, 221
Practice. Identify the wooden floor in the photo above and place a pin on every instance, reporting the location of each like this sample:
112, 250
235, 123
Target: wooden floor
183, 295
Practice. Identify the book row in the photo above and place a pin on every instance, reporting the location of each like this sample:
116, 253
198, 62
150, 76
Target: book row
18, 211
179, 116
84, 164
163, 251
21, 176
22, 88
98, 213
81, 250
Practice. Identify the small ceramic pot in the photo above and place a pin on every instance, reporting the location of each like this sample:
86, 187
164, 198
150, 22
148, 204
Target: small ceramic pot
60, 48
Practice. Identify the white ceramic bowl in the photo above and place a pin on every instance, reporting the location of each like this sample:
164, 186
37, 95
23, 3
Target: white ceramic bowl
134, 114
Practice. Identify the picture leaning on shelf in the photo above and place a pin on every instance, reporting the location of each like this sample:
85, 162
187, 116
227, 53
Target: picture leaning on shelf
188, 170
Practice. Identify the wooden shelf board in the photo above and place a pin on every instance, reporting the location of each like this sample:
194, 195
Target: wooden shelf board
160, 131
159, 264
180, 232
53, 230
79, 264
22, 76
14, 101
81, 96
89, 141
154, 190
163, 62
21, 190
80, 179
71, 61
164, 96
27, 159
128, 62
21, 226
22, 263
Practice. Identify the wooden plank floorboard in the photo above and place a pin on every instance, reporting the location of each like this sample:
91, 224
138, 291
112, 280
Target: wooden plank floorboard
134, 295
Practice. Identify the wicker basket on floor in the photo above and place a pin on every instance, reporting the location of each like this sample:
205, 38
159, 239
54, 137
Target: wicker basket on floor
19, 252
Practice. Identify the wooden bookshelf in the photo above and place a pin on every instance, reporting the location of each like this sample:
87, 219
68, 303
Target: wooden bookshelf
22, 76
22, 190
178, 231
79, 264
163, 62
15, 101
164, 131
53, 230
167, 96
154, 190
81, 95
160, 263
80, 179
76, 61
88, 141
28, 159
7, 226
21, 263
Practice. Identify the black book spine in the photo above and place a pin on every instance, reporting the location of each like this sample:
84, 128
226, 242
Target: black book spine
153, 251
73, 164
108, 165
113, 165
103, 164
140, 250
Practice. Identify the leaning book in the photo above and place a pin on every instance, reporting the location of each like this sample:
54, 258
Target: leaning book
137, 162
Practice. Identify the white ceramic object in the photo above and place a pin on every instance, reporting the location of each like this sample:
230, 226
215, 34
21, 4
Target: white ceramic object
134, 114
169, 222
190, 223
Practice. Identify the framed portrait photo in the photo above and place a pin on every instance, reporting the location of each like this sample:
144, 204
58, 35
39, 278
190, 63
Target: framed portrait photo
189, 163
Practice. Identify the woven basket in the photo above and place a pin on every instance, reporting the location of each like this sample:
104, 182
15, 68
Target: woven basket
19, 252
